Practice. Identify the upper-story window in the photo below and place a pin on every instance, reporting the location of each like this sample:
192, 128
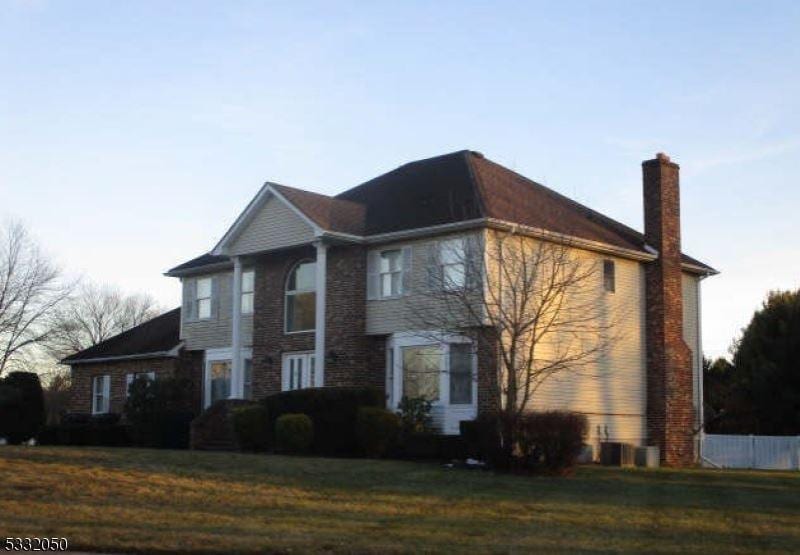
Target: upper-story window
609, 279
248, 288
388, 273
301, 297
203, 300
453, 262
391, 273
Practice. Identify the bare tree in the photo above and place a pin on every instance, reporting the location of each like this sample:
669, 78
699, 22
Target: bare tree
95, 314
539, 302
31, 288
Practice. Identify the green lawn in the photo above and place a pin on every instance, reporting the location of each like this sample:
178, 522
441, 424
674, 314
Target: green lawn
143, 500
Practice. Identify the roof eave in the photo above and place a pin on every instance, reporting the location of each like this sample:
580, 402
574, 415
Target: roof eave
172, 353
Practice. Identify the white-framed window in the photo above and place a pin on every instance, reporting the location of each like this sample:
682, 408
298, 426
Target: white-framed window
299, 371
301, 297
248, 291
101, 394
391, 273
439, 367
219, 373
204, 297
609, 277
133, 376
388, 273
453, 263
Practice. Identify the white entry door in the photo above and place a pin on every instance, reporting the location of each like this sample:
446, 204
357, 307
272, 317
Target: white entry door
298, 371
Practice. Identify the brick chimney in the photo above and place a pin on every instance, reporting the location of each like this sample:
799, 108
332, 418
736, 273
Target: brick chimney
670, 416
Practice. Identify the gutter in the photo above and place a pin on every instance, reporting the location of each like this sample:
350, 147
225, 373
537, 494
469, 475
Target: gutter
172, 353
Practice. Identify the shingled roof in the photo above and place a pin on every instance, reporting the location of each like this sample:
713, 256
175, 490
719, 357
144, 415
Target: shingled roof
451, 188
156, 337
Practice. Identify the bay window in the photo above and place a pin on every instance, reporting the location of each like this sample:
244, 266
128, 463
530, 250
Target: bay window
438, 367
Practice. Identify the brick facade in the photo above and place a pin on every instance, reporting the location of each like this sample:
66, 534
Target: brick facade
352, 357
670, 416
188, 365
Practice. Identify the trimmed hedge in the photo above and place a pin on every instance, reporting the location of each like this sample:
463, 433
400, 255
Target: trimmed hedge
552, 441
101, 430
251, 426
546, 442
21, 407
378, 430
294, 434
333, 411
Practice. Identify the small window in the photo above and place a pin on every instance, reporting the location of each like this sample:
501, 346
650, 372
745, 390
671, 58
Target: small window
133, 376
101, 386
391, 273
460, 374
248, 288
452, 257
301, 298
204, 298
609, 280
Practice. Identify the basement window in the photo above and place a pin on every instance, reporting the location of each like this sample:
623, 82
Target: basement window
609, 279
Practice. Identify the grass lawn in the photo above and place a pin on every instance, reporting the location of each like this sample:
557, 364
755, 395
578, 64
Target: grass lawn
143, 500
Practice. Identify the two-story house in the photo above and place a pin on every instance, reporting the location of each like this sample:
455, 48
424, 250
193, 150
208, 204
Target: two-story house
307, 290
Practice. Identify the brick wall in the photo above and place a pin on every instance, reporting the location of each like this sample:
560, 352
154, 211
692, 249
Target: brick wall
188, 365
352, 358
670, 418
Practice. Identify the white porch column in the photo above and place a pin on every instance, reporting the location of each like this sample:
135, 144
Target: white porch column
319, 330
237, 369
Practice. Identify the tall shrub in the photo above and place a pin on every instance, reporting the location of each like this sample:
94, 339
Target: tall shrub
21, 407
157, 411
378, 430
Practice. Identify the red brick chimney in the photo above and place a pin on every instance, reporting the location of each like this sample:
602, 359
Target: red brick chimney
670, 416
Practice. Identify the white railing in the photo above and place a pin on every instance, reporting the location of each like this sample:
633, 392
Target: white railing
764, 452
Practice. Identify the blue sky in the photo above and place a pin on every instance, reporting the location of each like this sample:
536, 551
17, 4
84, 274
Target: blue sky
133, 133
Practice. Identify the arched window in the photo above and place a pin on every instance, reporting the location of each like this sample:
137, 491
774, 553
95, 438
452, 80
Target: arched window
301, 297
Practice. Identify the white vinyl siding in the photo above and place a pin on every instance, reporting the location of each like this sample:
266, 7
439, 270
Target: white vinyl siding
101, 394
420, 268
275, 226
214, 332
691, 331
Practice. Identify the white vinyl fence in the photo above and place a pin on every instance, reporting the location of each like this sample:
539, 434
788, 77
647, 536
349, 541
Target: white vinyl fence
764, 452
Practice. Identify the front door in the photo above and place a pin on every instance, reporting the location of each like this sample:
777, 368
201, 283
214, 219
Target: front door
298, 371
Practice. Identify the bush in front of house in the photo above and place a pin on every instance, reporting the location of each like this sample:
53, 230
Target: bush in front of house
294, 434
157, 414
548, 442
100, 430
333, 411
423, 446
21, 407
552, 441
378, 430
415, 414
251, 426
